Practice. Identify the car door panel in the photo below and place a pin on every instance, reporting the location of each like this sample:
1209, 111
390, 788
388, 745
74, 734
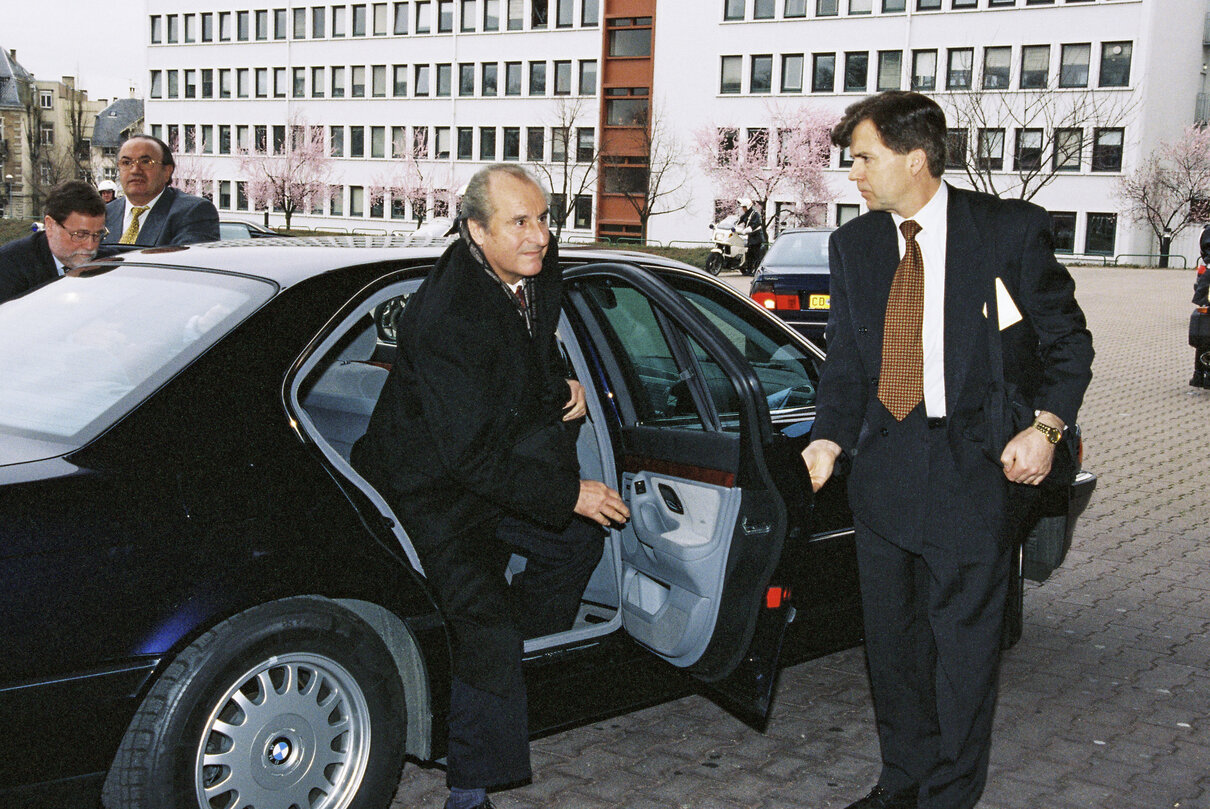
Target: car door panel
707, 523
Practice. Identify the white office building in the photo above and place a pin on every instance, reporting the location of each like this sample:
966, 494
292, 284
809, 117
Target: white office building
1058, 96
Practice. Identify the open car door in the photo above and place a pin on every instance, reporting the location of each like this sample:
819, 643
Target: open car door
703, 472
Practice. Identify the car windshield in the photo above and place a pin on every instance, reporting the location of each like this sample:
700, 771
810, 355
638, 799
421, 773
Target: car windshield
803, 249
78, 353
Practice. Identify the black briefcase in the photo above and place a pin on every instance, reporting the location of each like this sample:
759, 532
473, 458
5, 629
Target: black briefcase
1199, 329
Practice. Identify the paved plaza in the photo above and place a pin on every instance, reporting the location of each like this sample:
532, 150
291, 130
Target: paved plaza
1105, 702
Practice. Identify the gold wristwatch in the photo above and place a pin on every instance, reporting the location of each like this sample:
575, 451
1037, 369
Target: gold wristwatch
1053, 434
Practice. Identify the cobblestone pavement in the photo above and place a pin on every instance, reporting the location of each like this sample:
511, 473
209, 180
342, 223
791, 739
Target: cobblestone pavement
1105, 702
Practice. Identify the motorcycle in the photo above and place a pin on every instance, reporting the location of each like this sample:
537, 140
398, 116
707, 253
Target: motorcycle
730, 250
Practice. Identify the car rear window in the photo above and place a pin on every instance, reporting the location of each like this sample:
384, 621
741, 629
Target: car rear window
77, 354
807, 249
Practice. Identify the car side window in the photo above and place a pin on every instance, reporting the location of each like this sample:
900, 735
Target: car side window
644, 363
787, 373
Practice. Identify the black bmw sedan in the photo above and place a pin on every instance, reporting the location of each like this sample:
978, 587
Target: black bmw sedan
205, 606
793, 280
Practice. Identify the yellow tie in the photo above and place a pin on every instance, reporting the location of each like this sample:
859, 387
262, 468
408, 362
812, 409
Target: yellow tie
132, 232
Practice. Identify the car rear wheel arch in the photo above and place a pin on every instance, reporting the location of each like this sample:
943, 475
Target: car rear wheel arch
254, 669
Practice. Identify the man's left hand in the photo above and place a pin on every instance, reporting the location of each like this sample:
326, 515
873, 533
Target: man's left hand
1027, 457
576, 407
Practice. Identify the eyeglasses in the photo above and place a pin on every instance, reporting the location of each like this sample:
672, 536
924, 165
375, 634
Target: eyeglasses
144, 162
82, 236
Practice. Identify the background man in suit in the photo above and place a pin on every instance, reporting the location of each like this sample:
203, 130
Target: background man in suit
73, 228
473, 442
903, 393
152, 212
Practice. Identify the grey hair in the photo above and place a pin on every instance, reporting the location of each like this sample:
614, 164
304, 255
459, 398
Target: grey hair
476, 203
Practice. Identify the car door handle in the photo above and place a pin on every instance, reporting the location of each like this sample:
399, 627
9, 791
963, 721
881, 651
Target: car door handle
670, 498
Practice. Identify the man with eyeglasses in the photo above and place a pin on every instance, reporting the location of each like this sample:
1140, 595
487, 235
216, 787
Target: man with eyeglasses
153, 212
73, 230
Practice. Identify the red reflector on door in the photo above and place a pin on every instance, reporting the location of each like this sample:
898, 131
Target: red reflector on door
775, 597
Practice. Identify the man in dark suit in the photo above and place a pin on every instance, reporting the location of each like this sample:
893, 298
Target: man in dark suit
904, 393
472, 442
73, 228
152, 212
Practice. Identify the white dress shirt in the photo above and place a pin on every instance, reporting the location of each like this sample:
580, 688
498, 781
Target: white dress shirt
129, 215
933, 221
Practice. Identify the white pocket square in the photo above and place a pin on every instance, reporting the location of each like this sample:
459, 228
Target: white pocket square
1007, 310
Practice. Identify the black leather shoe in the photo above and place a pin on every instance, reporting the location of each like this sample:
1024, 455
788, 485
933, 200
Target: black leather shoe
879, 798
487, 804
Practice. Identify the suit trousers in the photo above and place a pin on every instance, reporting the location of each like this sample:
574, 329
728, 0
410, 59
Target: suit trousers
488, 621
933, 599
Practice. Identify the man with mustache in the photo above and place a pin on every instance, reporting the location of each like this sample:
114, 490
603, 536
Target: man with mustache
73, 229
153, 213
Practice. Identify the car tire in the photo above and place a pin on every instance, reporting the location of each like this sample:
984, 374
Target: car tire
292, 703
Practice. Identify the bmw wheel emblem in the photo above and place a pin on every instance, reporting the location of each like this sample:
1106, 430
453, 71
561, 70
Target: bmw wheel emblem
279, 752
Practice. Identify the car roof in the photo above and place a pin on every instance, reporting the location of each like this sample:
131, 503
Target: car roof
287, 261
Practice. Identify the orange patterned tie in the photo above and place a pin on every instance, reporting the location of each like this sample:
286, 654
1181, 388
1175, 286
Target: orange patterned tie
901, 381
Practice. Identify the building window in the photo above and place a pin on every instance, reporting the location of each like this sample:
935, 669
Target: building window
488, 85
1115, 64
46, 134
1101, 235
445, 80
1035, 67
990, 156
207, 82
243, 82
173, 36
585, 144
890, 69
588, 77
826, 8
468, 15
300, 24
791, 73
487, 143
894, 6
224, 195
537, 78
1063, 230
466, 79
924, 70
338, 82
262, 24
763, 9
630, 36
224, 26
761, 80
960, 69
357, 200
262, 82
512, 143
582, 212
224, 139
157, 84
956, 146
378, 141
538, 14
823, 72
516, 15
357, 141
174, 84
281, 26
317, 82
445, 16
590, 11
730, 81
846, 213
1028, 154
208, 27
357, 88
1068, 145
381, 19
628, 111
928, 5
359, 21
512, 78
758, 147
224, 83
318, 22
563, 78
795, 8
424, 17
1107, 149
379, 81
157, 34
733, 9
340, 21
279, 82
399, 141
399, 85
491, 15
558, 144
1073, 65
856, 71
401, 19
997, 65
858, 7
535, 143
420, 87
466, 143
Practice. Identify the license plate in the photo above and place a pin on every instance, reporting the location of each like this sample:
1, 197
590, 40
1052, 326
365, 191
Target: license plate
819, 301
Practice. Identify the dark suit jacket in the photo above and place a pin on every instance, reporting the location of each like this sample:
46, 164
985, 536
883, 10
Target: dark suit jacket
24, 265
1047, 355
177, 218
469, 422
